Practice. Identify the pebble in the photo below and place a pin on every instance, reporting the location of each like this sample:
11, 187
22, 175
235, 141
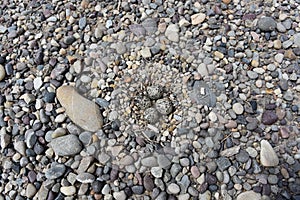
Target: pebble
85, 178
55, 171
119, 195
2, 72
151, 115
81, 111
68, 190
172, 33
248, 195
223, 163
268, 156
269, 117
173, 188
30, 190
238, 108
66, 145
198, 18
266, 24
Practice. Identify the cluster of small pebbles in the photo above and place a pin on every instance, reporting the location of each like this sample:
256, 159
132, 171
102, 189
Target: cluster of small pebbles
142, 99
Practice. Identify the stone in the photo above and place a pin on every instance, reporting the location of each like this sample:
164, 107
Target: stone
85, 178
150, 25
248, 195
230, 151
172, 33
269, 117
223, 163
81, 111
66, 145
268, 156
266, 24
145, 52
120, 195
238, 108
173, 188
30, 190
297, 39
2, 72
55, 171
279, 57
198, 18
148, 182
68, 190
151, 115
137, 29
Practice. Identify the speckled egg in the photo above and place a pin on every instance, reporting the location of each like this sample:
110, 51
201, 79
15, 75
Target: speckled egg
154, 92
164, 106
143, 102
151, 115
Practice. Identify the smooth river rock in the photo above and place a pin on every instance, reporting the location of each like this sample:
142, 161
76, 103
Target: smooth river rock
249, 195
83, 112
66, 145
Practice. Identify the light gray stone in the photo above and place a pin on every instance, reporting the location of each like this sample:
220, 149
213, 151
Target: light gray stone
268, 157
66, 145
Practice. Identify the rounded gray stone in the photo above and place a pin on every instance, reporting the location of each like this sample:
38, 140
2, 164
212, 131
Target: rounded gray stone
66, 145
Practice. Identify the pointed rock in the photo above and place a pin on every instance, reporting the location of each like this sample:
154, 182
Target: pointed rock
268, 157
81, 111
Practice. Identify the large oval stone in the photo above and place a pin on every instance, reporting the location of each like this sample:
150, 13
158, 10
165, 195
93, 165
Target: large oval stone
268, 156
83, 112
66, 145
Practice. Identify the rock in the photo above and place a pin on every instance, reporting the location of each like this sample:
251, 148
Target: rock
120, 195
2, 72
279, 57
30, 190
230, 151
68, 40
55, 171
238, 108
148, 182
198, 18
81, 111
269, 117
248, 195
268, 157
266, 24
85, 178
145, 52
66, 145
137, 29
223, 163
297, 39
82, 22
68, 190
172, 32
173, 188
226, 1
150, 25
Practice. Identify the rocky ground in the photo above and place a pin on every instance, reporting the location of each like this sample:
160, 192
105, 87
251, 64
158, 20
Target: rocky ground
141, 99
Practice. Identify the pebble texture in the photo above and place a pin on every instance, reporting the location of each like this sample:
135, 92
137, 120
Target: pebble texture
66, 145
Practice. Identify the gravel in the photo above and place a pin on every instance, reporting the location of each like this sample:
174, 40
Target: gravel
149, 99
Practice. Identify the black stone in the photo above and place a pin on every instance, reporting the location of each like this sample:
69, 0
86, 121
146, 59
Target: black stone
97, 186
49, 97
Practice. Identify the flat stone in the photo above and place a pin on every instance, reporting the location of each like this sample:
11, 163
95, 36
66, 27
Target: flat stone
85, 178
279, 57
81, 111
172, 33
248, 195
68, 190
198, 18
268, 156
66, 145
120, 195
30, 190
149, 162
230, 151
266, 24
